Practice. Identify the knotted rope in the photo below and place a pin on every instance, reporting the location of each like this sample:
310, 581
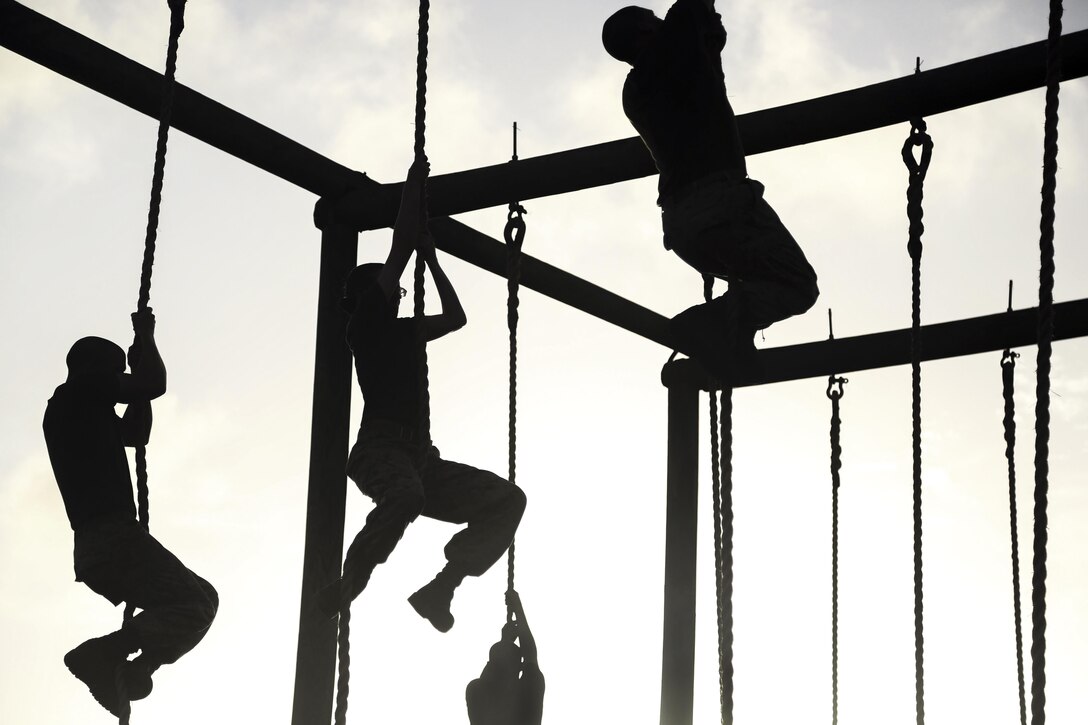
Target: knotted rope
917, 173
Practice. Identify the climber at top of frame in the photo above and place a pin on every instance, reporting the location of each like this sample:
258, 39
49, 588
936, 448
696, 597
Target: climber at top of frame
713, 216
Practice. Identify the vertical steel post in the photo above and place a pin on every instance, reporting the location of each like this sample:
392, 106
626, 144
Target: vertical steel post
681, 526
316, 661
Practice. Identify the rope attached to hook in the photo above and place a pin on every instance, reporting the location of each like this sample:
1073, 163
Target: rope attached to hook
835, 391
514, 234
1008, 369
917, 173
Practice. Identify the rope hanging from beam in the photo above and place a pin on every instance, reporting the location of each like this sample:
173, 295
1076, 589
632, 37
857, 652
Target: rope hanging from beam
166, 110
514, 235
177, 24
835, 391
1042, 384
343, 682
722, 496
421, 265
917, 173
1008, 369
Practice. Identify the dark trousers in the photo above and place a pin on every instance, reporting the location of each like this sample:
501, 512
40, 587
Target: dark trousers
725, 228
124, 563
404, 480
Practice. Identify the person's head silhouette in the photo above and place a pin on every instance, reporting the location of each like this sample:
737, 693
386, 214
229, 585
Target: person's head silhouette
629, 31
90, 355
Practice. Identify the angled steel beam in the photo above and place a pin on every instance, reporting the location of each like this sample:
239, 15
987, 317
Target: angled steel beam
466, 243
863, 109
884, 349
50, 44
95, 66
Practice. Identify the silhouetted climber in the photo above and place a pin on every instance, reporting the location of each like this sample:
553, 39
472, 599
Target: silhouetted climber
403, 474
510, 690
713, 216
114, 556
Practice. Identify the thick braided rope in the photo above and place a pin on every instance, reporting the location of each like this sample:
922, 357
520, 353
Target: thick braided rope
166, 111
1008, 368
725, 627
343, 679
917, 171
420, 267
515, 236
1042, 385
716, 497
835, 392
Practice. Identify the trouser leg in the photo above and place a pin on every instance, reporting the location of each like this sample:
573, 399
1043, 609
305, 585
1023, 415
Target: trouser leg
177, 606
389, 477
732, 233
490, 506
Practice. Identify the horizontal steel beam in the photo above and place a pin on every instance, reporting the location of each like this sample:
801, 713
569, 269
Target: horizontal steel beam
863, 109
95, 66
885, 349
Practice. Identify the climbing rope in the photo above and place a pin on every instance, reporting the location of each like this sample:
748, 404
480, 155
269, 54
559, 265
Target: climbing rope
721, 470
835, 391
343, 680
917, 174
716, 421
343, 673
1008, 368
724, 513
514, 235
1042, 384
166, 111
421, 265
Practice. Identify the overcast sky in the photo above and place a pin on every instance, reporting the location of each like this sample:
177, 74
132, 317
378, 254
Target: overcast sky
235, 289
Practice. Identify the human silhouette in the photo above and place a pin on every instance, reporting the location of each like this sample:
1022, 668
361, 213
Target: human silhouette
390, 462
114, 556
510, 689
713, 216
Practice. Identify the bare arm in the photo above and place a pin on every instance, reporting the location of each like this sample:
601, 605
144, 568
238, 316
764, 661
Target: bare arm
411, 224
148, 378
453, 314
